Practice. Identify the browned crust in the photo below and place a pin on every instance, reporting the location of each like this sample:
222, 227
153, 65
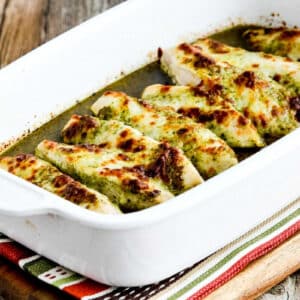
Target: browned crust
217, 47
63, 185
200, 60
79, 125
247, 79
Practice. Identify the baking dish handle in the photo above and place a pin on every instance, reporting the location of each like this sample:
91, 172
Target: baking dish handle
21, 198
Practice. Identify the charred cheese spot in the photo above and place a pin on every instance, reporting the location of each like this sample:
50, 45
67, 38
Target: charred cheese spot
267, 56
246, 79
246, 112
103, 145
198, 91
192, 112
23, 157
73, 192
68, 150
165, 88
146, 105
216, 90
170, 156
200, 60
111, 172
182, 131
220, 115
210, 91
138, 170
295, 103
126, 101
131, 145
297, 115
201, 116
123, 157
218, 47
124, 133
49, 144
79, 125
277, 77
289, 34
242, 121
275, 111
263, 120
135, 185
108, 93
61, 180
186, 48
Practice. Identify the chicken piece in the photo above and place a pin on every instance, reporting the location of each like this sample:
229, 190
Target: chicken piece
48, 177
171, 165
281, 69
259, 98
279, 41
210, 109
209, 154
110, 172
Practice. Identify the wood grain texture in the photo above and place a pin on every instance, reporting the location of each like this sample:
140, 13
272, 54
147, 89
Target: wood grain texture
263, 274
26, 24
21, 30
16, 285
62, 15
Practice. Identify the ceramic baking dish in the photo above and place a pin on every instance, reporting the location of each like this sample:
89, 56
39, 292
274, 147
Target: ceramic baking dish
143, 247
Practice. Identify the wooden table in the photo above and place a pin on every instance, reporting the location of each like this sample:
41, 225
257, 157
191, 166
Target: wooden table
26, 24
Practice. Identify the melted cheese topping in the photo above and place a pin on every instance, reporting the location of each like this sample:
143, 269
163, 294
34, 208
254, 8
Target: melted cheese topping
208, 153
279, 41
281, 69
209, 108
262, 100
46, 176
159, 159
111, 172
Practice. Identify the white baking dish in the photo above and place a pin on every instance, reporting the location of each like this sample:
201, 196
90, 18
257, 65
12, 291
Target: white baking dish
147, 246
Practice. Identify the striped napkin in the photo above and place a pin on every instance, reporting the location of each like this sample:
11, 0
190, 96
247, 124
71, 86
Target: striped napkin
195, 282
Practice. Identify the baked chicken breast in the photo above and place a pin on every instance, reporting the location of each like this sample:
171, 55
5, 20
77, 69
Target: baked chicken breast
209, 108
279, 41
157, 158
209, 154
281, 69
44, 175
110, 172
259, 98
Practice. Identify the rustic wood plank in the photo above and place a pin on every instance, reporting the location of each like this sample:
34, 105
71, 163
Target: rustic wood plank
3, 5
264, 273
289, 289
16, 285
63, 15
22, 24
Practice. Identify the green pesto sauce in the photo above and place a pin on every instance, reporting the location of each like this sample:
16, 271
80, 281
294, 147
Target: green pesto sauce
132, 84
